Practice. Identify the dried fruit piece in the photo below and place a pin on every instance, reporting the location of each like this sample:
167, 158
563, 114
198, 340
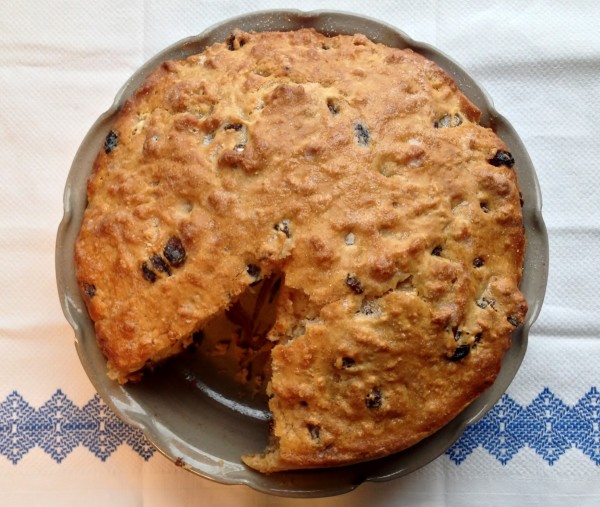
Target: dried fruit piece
374, 400
160, 264
314, 430
485, 302
174, 251
354, 284
478, 262
283, 226
147, 272
89, 289
333, 107
502, 158
111, 142
361, 134
513, 320
234, 42
437, 251
348, 362
254, 271
457, 333
461, 352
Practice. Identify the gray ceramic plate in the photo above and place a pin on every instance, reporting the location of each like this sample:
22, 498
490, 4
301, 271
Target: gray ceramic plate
205, 424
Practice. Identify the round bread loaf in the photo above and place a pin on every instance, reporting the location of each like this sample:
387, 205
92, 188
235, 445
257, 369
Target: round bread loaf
356, 172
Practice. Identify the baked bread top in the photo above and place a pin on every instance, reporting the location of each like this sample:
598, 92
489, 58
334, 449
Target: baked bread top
358, 171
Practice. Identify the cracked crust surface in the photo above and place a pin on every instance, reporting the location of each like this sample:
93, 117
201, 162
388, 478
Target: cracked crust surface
360, 172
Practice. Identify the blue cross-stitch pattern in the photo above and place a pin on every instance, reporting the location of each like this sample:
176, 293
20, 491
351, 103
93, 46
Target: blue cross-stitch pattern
59, 426
500, 423
465, 445
548, 412
103, 431
547, 425
584, 430
16, 437
55, 426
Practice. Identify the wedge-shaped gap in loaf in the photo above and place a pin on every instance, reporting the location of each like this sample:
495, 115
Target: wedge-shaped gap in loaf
233, 351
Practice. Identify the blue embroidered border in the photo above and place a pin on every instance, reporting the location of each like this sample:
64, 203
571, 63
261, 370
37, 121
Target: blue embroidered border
547, 425
59, 426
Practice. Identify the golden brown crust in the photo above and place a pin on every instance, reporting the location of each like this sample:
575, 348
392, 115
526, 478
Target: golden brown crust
358, 170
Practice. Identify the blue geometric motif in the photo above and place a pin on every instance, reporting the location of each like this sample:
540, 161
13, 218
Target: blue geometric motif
102, 431
59, 426
501, 422
584, 431
55, 423
547, 425
548, 415
16, 437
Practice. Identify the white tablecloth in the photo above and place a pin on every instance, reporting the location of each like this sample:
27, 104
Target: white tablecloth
61, 64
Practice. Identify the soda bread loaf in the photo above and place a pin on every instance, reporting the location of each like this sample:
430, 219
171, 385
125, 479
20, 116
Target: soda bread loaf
358, 173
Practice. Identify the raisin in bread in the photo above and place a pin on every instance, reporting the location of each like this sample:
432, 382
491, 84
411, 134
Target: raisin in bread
356, 171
